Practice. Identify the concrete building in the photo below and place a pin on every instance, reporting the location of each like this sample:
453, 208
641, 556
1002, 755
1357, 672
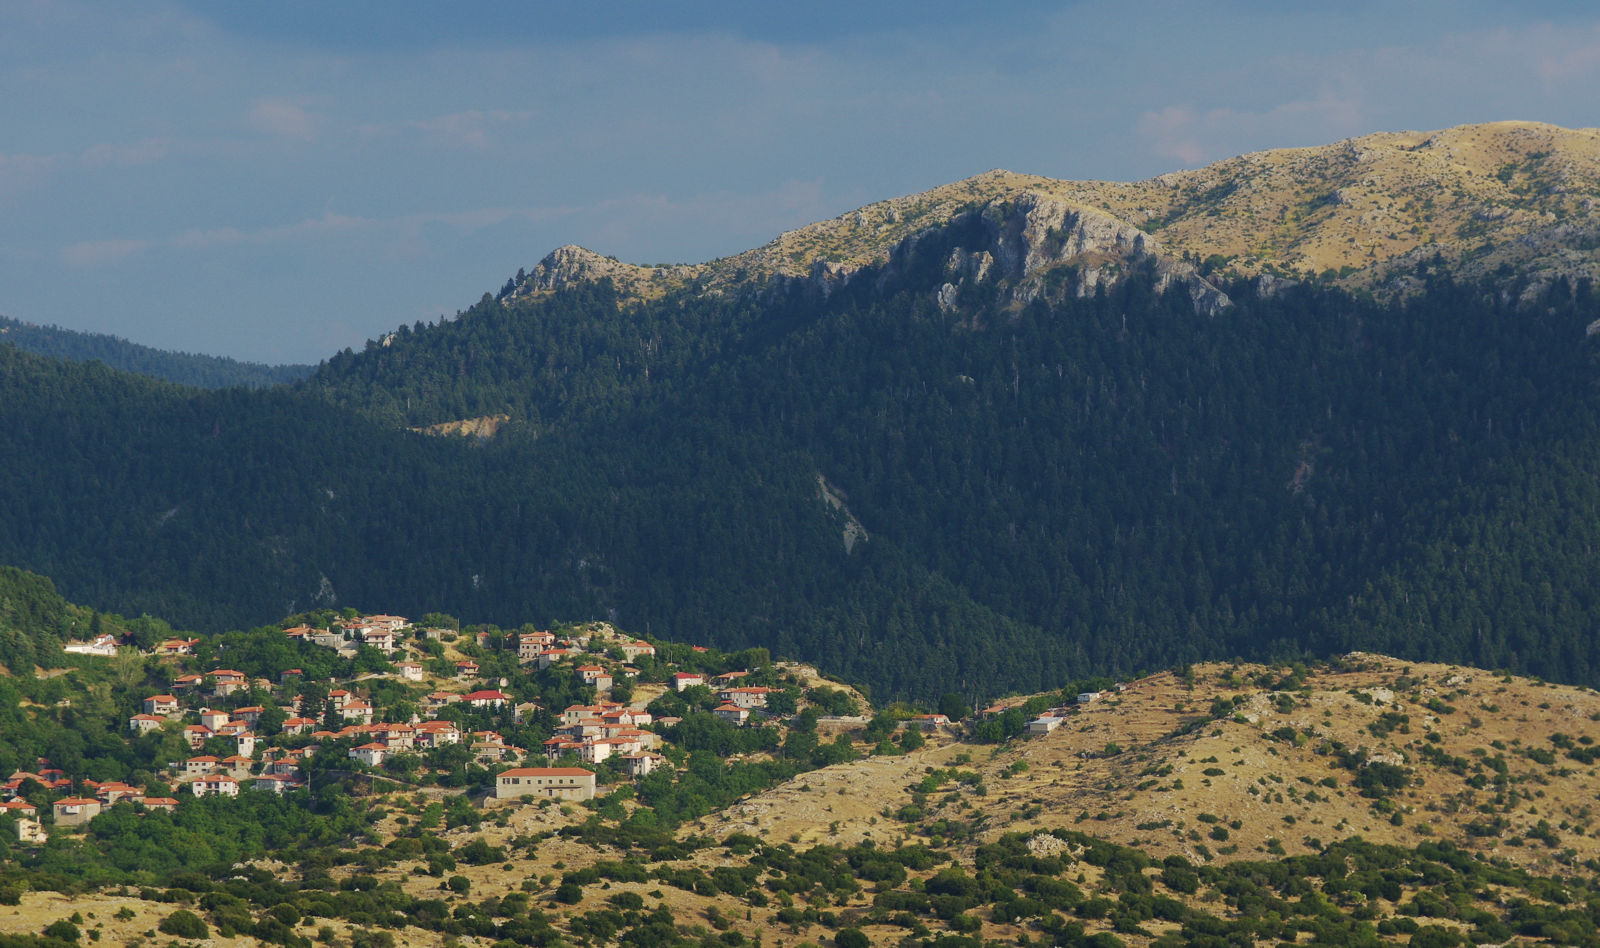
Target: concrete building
559, 783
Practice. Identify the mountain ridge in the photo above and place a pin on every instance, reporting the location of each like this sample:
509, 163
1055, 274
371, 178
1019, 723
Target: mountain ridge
1362, 213
183, 368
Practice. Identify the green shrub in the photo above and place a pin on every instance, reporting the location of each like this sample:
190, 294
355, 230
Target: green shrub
184, 924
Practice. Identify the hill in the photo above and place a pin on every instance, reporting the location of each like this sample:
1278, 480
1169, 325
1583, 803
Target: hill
200, 371
1361, 801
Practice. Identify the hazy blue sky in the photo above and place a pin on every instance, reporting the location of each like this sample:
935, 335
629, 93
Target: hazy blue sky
275, 181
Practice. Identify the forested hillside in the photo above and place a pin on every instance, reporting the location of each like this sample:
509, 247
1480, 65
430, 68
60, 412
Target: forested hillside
1030, 490
201, 371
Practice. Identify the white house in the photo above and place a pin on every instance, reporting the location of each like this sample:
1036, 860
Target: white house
370, 754
103, 645
1043, 725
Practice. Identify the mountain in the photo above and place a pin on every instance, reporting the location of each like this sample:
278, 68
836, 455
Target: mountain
975, 440
1360, 213
200, 371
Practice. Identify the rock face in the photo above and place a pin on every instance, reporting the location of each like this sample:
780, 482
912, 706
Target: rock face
1029, 238
571, 265
1023, 239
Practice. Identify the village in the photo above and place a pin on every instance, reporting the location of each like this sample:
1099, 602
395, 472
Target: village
268, 747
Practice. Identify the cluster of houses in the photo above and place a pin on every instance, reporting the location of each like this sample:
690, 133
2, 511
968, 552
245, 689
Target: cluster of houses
592, 734
70, 810
588, 733
598, 732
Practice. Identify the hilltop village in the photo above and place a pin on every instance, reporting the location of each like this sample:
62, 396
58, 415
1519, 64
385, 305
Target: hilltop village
531, 715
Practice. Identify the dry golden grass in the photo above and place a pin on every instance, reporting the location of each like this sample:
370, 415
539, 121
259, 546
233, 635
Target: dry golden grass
1179, 773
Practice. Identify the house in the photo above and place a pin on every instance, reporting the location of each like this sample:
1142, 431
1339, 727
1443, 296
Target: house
167, 804
176, 647
19, 808
632, 650
397, 737
378, 638
439, 699
556, 746
275, 783
110, 792
682, 681
298, 725
103, 645
212, 719
728, 678
250, 716
640, 765
300, 633
215, 786
491, 752
225, 681
30, 830
744, 697
437, 734
332, 638
188, 682
596, 676
196, 766
356, 709
530, 644
1088, 697
487, 699
244, 744
161, 704
197, 735
467, 669
929, 722
409, 671
389, 623
370, 754
559, 783
143, 723
76, 811
286, 767
550, 656
1043, 725
732, 713
594, 751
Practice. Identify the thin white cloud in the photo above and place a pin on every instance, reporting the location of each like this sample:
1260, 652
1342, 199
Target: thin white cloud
125, 154
20, 169
474, 128
96, 253
283, 118
1195, 136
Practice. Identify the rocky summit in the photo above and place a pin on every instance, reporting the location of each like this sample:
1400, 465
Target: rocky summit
1364, 213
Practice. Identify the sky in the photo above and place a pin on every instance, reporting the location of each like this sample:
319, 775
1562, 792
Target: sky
278, 181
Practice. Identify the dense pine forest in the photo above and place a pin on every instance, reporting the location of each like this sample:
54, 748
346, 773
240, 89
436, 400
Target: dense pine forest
1050, 489
185, 368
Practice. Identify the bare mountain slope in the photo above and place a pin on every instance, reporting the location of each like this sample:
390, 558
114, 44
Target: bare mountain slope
1362, 211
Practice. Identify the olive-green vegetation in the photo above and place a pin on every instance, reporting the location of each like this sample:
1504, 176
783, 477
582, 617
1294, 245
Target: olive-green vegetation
1051, 490
201, 371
